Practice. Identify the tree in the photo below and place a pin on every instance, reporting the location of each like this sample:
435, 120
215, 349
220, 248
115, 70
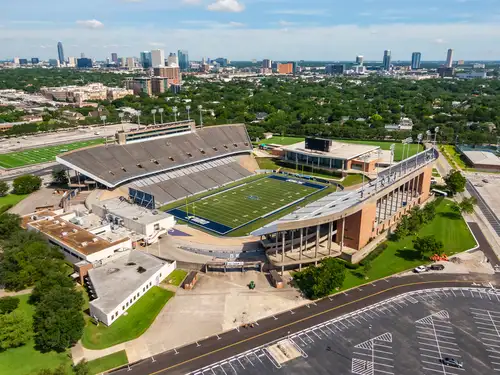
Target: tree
4, 188
403, 228
15, 330
26, 184
455, 181
466, 205
46, 284
58, 320
60, 370
8, 304
81, 368
9, 224
317, 282
427, 245
59, 176
429, 211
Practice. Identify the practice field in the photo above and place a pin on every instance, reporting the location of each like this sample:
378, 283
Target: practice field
42, 154
230, 209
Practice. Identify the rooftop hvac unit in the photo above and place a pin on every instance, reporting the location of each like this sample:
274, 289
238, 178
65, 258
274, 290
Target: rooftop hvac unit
64, 234
63, 224
56, 222
75, 230
155, 212
95, 239
34, 217
84, 244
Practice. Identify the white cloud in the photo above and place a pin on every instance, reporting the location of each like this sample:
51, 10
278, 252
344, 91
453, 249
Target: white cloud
439, 41
285, 23
91, 24
301, 12
192, 2
156, 44
236, 24
226, 6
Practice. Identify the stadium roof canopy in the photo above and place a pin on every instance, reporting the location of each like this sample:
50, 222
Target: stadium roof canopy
113, 165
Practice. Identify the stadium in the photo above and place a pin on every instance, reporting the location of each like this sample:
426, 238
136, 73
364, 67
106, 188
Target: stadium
208, 178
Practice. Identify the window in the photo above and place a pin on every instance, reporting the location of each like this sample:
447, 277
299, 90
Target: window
112, 317
123, 307
127, 304
160, 274
150, 283
135, 297
137, 294
157, 226
131, 301
143, 289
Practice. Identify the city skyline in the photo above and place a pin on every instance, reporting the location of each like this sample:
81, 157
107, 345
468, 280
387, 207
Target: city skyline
250, 28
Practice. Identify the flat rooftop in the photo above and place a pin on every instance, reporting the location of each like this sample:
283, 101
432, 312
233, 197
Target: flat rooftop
483, 157
139, 214
120, 277
338, 150
73, 236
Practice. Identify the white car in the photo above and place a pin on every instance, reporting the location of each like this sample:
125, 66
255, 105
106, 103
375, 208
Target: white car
420, 269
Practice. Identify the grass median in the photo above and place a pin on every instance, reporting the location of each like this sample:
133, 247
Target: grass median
111, 361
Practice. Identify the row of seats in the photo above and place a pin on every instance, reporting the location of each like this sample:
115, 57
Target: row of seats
116, 164
180, 187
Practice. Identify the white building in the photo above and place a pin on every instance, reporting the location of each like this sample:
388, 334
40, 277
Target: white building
150, 223
122, 281
130, 63
157, 58
173, 60
471, 75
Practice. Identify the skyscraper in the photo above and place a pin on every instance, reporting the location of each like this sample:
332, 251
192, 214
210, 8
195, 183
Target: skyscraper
157, 58
183, 60
146, 59
415, 60
359, 60
267, 64
449, 58
172, 59
387, 60
60, 52
114, 57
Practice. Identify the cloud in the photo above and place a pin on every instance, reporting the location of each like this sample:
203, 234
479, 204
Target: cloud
212, 24
285, 23
132, 1
236, 24
301, 12
192, 2
91, 24
439, 41
226, 6
156, 44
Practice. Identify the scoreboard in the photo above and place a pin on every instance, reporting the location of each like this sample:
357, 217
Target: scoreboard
318, 144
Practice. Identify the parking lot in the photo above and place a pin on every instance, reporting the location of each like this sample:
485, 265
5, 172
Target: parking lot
408, 334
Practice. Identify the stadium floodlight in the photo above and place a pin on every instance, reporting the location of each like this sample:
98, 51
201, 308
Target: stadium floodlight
200, 108
138, 113
188, 107
153, 112
160, 111
120, 115
436, 131
103, 119
174, 109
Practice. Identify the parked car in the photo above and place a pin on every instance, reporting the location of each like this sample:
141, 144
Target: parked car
437, 267
452, 362
420, 269
485, 180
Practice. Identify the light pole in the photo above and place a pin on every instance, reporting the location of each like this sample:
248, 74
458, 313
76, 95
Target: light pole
436, 131
419, 139
200, 107
410, 141
174, 109
103, 119
428, 133
160, 111
364, 157
153, 112
120, 115
188, 108
403, 158
138, 113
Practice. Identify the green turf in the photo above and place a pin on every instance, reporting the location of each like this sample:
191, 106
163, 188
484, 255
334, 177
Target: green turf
176, 277
12, 199
26, 360
398, 151
127, 327
111, 361
247, 202
448, 227
451, 153
42, 154
285, 141
353, 179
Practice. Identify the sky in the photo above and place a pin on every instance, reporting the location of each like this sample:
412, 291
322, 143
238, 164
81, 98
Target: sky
321, 30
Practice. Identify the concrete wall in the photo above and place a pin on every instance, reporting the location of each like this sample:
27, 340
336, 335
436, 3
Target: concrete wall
155, 279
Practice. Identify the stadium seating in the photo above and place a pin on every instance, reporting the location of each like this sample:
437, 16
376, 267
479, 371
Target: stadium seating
176, 184
116, 164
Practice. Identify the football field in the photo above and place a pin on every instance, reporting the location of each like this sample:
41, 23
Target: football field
230, 209
42, 154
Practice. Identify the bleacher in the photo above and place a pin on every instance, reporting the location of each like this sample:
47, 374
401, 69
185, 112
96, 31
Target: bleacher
113, 165
174, 185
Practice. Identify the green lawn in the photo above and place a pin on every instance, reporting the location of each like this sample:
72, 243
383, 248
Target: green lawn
451, 153
398, 151
176, 277
285, 141
127, 327
12, 199
25, 360
353, 179
447, 226
435, 173
245, 203
99, 365
42, 154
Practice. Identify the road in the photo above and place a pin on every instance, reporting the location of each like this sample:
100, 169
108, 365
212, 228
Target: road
216, 348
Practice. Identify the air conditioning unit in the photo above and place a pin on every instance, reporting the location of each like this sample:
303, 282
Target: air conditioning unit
64, 234
75, 230
84, 244
95, 239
